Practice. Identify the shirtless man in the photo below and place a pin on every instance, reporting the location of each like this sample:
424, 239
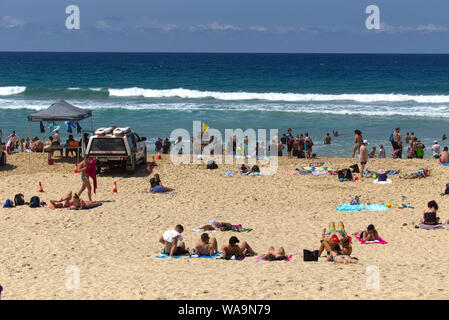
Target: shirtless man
234, 250
363, 156
173, 242
444, 156
206, 246
327, 139
273, 254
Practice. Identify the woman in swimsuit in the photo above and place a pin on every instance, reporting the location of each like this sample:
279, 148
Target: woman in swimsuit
358, 141
334, 235
86, 165
275, 255
370, 234
79, 203
213, 225
430, 214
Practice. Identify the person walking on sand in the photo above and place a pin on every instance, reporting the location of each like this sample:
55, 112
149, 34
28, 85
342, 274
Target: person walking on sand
358, 141
88, 169
173, 242
363, 156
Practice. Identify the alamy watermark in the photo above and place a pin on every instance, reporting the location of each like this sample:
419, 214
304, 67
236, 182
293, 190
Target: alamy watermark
373, 278
73, 278
373, 20
73, 21
237, 146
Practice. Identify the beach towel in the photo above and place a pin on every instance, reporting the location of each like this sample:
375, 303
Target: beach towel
234, 230
91, 171
393, 172
316, 164
380, 241
444, 164
289, 173
432, 226
149, 191
229, 173
350, 207
259, 258
303, 172
376, 207
382, 182
318, 173
205, 257
264, 158
166, 256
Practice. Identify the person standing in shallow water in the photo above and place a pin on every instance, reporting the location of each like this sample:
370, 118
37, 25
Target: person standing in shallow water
327, 139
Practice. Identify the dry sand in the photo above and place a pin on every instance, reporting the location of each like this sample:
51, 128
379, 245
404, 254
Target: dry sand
114, 246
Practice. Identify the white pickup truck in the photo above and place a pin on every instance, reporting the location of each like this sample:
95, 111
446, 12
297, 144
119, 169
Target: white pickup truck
117, 147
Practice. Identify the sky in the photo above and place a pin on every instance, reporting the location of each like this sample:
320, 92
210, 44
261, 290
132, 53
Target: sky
322, 26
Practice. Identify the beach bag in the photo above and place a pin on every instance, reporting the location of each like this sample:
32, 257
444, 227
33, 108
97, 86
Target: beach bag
211, 165
310, 255
2, 158
8, 204
340, 174
255, 168
35, 202
19, 199
348, 174
301, 154
382, 177
355, 168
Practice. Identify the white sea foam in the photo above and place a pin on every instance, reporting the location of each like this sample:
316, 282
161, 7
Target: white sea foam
273, 96
7, 91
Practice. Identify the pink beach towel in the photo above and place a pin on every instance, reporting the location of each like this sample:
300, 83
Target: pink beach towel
289, 172
381, 241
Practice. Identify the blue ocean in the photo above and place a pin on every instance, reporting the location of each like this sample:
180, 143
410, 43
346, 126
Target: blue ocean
155, 93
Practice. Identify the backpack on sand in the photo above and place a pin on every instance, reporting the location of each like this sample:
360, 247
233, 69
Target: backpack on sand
35, 202
211, 164
310, 255
255, 168
19, 199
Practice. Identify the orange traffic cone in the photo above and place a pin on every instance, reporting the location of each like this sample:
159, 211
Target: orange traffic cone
115, 187
40, 187
76, 167
154, 162
159, 155
148, 168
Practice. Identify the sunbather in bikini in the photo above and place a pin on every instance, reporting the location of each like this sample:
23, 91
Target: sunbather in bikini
332, 236
422, 173
273, 254
79, 203
370, 234
64, 202
234, 251
430, 214
213, 225
336, 255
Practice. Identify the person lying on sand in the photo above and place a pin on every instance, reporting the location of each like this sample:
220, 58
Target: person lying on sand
370, 234
213, 225
336, 255
333, 235
206, 246
173, 242
234, 251
79, 203
422, 173
430, 214
64, 202
274, 255
157, 187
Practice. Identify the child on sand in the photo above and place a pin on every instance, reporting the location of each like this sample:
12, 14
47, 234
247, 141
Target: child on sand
381, 153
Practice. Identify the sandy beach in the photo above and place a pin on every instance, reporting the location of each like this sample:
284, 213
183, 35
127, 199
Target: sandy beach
115, 246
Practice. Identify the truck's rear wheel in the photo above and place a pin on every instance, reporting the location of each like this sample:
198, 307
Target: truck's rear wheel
131, 168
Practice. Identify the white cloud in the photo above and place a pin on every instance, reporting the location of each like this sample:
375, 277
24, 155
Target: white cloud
432, 28
11, 22
102, 25
257, 28
400, 29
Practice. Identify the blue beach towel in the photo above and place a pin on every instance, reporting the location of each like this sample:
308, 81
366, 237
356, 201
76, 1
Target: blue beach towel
166, 256
376, 207
444, 164
350, 207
